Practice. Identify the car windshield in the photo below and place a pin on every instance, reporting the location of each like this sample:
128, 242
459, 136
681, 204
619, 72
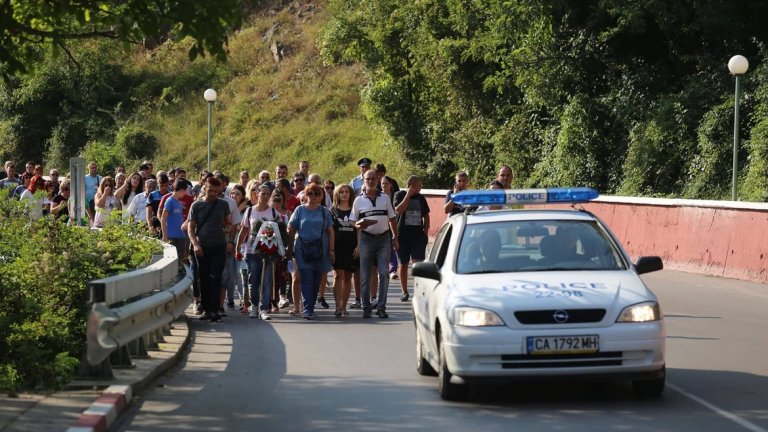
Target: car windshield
539, 245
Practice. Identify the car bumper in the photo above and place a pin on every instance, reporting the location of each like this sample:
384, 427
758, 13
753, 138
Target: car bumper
631, 350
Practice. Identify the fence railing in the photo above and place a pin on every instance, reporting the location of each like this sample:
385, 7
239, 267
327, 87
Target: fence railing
130, 313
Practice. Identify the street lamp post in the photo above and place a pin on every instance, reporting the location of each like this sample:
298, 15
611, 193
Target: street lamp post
738, 66
210, 96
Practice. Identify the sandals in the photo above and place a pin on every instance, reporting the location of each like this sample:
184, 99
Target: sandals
294, 312
338, 313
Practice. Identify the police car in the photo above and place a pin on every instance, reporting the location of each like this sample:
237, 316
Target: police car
526, 294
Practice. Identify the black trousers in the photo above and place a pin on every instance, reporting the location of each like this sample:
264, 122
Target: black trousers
210, 269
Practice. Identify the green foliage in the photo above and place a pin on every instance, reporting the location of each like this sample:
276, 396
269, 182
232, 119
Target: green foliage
106, 155
42, 283
30, 25
137, 142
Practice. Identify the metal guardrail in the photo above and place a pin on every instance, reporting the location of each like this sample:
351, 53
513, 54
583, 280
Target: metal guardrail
131, 311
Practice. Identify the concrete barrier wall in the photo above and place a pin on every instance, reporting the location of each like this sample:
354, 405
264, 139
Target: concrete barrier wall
718, 238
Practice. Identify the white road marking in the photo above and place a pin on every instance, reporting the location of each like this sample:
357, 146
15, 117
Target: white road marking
732, 417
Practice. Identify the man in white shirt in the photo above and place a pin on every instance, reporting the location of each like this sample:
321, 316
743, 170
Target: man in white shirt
374, 217
357, 183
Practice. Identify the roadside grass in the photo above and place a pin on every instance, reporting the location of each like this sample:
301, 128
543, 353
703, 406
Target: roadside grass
266, 113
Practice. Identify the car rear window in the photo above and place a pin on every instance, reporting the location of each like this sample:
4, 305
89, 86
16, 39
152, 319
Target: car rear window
541, 245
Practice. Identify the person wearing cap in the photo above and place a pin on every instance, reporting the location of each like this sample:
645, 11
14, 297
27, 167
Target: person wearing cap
357, 183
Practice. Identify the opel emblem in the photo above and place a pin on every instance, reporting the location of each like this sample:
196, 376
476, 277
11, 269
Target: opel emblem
560, 316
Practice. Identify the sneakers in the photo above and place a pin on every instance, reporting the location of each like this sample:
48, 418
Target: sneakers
323, 303
283, 303
393, 276
366, 314
374, 303
222, 312
231, 305
405, 297
265, 316
253, 313
356, 304
382, 314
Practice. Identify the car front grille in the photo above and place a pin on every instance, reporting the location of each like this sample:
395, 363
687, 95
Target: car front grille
549, 316
529, 361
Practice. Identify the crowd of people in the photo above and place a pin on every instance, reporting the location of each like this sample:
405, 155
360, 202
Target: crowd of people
267, 244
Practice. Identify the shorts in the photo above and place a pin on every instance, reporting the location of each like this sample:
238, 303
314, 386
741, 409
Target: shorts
346, 262
411, 247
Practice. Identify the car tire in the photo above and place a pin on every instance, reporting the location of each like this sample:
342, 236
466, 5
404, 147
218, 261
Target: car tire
650, 389
448, 390
422, 365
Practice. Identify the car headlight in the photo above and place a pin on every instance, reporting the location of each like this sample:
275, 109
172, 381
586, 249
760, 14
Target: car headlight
474, 317
641, 312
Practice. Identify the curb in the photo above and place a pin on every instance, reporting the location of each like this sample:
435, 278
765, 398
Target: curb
116, 399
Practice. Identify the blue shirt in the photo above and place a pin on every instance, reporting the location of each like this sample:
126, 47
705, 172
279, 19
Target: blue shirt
312, 225
175, 218
91, 186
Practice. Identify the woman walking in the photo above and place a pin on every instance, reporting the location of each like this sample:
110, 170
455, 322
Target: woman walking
314, 253
263, 248
345, 245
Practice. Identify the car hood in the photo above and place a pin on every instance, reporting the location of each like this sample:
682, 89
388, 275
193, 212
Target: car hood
505, 293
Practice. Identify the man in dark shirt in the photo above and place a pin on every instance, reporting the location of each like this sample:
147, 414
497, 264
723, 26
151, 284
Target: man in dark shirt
208, 220
412, 228
462, 180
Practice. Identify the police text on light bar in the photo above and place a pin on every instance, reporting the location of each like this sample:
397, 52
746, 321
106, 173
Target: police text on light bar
524, 196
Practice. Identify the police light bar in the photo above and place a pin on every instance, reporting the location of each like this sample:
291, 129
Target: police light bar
524, 196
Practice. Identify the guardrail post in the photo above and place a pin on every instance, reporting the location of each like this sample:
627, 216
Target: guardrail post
102, 371
137, 348
121, 358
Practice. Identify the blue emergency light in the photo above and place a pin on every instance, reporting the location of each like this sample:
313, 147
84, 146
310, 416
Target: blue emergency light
524, 196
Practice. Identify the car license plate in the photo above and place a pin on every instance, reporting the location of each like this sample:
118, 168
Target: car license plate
563, 344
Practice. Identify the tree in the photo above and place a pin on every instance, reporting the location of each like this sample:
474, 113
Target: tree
27, 25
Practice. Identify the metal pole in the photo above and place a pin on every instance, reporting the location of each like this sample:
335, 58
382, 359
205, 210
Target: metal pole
736, 139
210, 105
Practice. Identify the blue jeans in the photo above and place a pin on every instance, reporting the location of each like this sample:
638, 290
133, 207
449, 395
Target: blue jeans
310, 283
374, 250
261, 272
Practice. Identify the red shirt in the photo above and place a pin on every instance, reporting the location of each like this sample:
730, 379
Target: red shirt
186, 203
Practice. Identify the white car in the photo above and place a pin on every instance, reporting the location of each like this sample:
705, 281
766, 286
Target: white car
526, 294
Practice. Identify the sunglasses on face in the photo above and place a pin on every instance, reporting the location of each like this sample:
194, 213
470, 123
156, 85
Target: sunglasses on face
298, 180
313, 194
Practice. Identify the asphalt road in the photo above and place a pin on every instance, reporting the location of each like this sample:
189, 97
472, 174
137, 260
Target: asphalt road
327, 374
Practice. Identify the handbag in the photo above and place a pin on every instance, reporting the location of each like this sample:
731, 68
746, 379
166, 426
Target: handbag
312, 250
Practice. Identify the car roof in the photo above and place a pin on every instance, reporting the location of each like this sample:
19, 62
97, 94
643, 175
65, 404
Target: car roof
537, 214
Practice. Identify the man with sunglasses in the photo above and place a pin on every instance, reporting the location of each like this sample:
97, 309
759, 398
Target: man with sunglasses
374, 217
299, 182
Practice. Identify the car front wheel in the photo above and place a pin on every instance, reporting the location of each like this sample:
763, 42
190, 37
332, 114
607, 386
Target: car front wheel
448, 390
649, 389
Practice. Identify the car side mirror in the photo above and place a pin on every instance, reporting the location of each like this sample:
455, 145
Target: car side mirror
427, 270
647, 264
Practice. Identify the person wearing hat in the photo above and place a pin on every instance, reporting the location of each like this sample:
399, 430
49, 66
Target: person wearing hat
357, 182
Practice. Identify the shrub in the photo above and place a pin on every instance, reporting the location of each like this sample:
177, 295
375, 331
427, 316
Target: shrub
137, 142
43, 285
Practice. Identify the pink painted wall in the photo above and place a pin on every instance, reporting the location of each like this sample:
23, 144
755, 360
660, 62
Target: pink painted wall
718, 238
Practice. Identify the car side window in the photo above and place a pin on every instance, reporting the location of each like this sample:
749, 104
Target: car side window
442, 249
438, 241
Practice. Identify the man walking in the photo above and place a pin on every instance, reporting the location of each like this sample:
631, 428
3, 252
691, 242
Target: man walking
412, 227
206, 219
374, 217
